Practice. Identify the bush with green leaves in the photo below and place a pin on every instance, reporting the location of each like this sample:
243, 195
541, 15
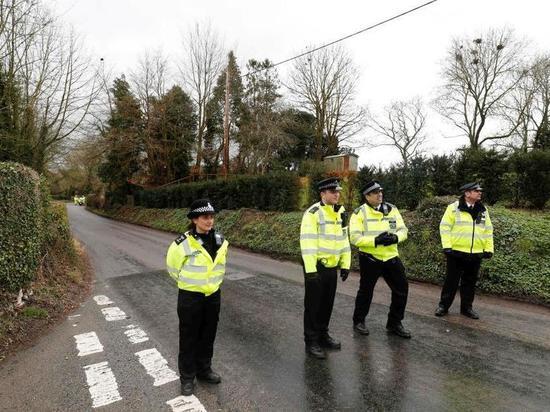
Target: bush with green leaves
265, 192
532, 177
23, 204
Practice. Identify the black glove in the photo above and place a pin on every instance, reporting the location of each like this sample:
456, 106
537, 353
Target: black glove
390, 239
487, 255
448, 251
344, 273
379, 240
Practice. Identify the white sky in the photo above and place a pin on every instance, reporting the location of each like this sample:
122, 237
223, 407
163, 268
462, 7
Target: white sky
399, 60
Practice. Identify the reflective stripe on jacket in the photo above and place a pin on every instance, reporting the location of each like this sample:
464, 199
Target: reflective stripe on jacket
460, 232
323, 238
366, 223
192, 266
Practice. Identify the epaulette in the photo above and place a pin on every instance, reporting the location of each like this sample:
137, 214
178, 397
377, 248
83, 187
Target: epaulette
357, 210
314, 209
180, 238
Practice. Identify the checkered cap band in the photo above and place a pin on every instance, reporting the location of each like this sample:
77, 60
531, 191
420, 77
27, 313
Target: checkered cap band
204, 209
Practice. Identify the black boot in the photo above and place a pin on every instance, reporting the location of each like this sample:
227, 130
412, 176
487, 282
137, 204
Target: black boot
187, 387
399, 330
470, 313
315, 351
361, 328
209, 376
328, 342
441, 311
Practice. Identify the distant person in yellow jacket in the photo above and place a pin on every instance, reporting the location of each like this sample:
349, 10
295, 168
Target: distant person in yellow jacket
196, 260
467, 238
325, 248
376, 228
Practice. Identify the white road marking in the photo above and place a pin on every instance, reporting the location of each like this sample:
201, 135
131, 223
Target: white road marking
136, 334
186, 404
102, 300
102, 384
113, 313
88, 343
156, 366
73, 316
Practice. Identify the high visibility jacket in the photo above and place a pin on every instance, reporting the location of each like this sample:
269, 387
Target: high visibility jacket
324, 238
460, 232
366, 223
192, 267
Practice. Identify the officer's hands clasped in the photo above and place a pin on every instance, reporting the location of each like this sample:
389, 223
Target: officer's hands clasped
385, 239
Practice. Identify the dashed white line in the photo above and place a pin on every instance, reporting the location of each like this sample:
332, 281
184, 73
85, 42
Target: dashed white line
73, 316
136, 334
186, 404
113, 313
102, 300
156, 366
102, 384
88, 343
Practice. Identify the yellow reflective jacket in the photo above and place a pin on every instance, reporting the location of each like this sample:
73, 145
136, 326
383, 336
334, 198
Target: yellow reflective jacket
192, 267
324, 238
366, 223
460, 232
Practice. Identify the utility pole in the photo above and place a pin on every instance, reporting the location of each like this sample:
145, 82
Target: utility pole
226, 123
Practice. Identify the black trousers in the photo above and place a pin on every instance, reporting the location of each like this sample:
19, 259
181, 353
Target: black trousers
393, 273
463, 270
318, 302
198, 322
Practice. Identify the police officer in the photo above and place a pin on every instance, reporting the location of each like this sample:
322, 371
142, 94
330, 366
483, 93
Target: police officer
196, 260
466, 237
325, 248
376, 227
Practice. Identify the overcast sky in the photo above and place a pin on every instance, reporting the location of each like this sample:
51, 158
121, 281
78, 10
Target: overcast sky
399, 60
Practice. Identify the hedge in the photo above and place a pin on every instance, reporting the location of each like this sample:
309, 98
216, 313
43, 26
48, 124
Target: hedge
266, 192
519, 269
23, 204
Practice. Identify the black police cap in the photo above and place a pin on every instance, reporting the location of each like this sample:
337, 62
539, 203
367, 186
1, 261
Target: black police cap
331, 183
200, 207
470, 186
370, 186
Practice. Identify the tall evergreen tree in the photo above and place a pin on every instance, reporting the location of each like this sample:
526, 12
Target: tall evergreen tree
172, 136
123, 138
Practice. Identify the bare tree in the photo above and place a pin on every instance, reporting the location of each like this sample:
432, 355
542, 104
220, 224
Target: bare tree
149, 80
149, 83
402, 125
324, 84
49, 80
478, 75
203, 62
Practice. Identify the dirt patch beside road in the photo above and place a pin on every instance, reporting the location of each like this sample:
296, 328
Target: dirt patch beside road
57, 291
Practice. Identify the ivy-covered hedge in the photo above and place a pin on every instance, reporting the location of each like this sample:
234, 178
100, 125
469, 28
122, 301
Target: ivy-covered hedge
266, 192
520, 267
24, 201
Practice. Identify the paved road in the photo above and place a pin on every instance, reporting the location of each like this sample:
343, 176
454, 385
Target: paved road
498, 363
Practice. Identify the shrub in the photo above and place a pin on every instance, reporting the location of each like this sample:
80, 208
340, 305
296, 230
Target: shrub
23, 199
532, 173
278, 191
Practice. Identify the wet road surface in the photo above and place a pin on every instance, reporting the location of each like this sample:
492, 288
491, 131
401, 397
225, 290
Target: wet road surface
450, 364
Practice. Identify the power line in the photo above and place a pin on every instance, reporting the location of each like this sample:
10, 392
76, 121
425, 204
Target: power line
345, 37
